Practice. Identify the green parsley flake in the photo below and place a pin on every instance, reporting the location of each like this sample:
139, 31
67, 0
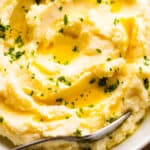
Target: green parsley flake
66, 21
78, 133
31, 93
81, 19
59, 100
14, 55
146, 61
60, 8
146, 83
75, 48
67, 117
61, 30
19, 41
99, 50
37, 2
1, 119
3, 30
63, 79
65, 102
99, 1
18, 54
91, 106
112, 119
42, 94
103, 81
116, 21
92, 81
108, 59
111, 88
112, 1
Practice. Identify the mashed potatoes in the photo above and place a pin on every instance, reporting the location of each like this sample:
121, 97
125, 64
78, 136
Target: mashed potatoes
71, 67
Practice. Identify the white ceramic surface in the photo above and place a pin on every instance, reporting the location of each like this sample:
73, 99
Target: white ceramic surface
139, 139
135, 142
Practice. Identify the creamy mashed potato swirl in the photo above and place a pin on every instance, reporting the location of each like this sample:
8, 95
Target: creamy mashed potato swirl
71, 67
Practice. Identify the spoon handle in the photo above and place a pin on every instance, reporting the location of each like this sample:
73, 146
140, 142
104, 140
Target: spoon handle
85, 139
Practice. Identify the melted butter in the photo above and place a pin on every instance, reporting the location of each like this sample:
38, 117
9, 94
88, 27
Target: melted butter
84, 94
117, 5
89, 97
63, 49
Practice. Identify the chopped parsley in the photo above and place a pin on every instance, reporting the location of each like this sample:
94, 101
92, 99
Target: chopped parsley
67, 117
42, 94
51, 79
66, 21
14, 55
146, 61
116, 21
59, 100
81, 19
19, 41
65, 103
81, 110
108, 87
10, 51
99, 50
31, 93
145, 58
112, 1
112, 87
92, 81
32, 52
61, 30
3, 30
78, 133
41, 120
103, 81
91, 106
66, 63
110, 69
37, 2
112, 119
1, 119
73, 104
18, 54
99, 1
146, 83
81, 95
33, 76
63, 79
28, 65
49, 88
75, 48
108, 59
60, 8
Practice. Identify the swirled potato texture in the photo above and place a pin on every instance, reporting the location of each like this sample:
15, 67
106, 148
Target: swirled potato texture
71, 67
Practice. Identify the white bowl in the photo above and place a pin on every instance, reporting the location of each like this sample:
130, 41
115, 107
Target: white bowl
137, 141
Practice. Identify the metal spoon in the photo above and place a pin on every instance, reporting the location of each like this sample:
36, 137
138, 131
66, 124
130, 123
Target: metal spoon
84, 139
